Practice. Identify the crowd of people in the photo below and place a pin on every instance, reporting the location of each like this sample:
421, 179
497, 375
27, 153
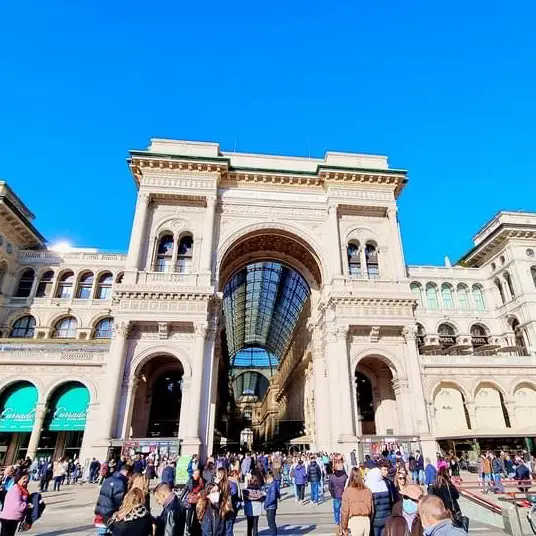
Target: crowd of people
390, 494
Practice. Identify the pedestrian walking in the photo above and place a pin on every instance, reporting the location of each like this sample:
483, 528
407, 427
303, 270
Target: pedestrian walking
15, 505
337, 483
133, 518
271, 501
253, 499
357, 505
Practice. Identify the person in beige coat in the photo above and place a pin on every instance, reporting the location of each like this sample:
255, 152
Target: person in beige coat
357, 506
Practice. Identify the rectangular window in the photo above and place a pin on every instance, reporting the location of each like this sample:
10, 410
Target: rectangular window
65, 291
104, 293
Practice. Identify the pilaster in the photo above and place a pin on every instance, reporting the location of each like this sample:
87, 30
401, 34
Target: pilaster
137, 237
335, 240
208, 235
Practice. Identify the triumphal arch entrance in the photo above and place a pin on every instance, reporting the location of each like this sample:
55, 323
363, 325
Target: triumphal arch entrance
265, 302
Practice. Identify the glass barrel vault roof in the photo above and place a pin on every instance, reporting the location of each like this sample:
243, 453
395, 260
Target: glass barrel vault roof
262, 304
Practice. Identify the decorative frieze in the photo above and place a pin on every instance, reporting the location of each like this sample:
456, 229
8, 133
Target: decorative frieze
362, 194
277, 212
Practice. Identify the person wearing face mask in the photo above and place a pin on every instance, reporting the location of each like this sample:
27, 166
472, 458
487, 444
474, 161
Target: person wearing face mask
436, 519
404, 519
172, 519
208, 512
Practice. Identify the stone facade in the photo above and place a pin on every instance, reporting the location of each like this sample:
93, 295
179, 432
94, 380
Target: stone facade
446, 352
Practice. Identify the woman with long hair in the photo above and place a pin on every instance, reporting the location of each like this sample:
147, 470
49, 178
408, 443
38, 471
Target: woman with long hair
226, 502
208, 512
194, 487
401, 479
133, 518
446, 491
140, 481
357, 506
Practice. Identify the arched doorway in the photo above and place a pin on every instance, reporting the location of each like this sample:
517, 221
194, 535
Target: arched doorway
268, 279
158, 399
17, 415
375, 397
65, 421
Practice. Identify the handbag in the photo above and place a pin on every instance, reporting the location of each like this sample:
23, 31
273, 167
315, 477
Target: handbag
458, 519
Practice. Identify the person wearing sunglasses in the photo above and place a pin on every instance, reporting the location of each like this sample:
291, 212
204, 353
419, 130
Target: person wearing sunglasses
404, 519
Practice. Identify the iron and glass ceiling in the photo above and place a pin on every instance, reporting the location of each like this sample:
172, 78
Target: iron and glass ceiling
262, 304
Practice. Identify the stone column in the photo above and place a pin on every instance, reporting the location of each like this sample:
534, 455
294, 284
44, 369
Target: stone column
131, 389
40, 412
138, 232
335, 240
414, 375
396, 241
471, 410
404, 405
192, 441
321, 408
114, 378
206, 248
342, 383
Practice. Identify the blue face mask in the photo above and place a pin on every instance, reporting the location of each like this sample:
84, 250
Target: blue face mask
409, 506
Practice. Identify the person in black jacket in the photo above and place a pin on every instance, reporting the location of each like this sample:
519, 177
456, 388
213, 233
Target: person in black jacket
111, 494
172, 519
314, 476
133, 518
446, 491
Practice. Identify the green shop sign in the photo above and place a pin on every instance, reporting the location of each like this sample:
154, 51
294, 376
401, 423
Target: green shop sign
17, 411
69, 411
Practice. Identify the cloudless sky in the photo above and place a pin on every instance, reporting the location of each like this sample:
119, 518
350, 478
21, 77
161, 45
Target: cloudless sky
445, 89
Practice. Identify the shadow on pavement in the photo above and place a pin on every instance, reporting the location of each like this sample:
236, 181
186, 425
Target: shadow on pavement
72, 530
290, 529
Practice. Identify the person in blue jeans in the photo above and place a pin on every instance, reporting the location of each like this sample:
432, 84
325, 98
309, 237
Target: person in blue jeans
314, 477
270, 502
337, 483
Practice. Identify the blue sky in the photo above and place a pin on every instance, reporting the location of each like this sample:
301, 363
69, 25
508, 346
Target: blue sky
446, 89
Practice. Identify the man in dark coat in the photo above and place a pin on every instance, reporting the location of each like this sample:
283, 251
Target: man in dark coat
314, 476
171, 521
168, 475
111, 494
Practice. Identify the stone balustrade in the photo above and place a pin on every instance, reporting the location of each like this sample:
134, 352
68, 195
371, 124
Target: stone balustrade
174, 278
469, 361
49, 256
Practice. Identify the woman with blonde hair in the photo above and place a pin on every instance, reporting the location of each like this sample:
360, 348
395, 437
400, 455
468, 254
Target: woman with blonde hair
133, 518
208, 512
357, 506
140, 481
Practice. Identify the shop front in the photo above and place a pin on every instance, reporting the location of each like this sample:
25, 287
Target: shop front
65, 422
17, 416
378, 445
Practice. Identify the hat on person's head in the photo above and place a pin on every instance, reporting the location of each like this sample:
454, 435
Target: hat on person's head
413, 491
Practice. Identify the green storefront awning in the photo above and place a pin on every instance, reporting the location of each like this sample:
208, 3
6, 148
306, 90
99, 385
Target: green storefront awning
18, 409
69, 410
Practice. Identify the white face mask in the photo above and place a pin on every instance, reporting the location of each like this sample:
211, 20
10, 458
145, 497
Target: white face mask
214, 497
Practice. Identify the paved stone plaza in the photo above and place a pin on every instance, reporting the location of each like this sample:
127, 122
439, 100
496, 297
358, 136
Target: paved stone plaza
71, 512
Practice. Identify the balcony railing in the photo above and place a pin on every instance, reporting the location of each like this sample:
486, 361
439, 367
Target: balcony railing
361, 284
173, 278
56, 256
503, 360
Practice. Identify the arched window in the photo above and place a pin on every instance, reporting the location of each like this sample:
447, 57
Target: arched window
65, 286
479, 336
104, 286
103, 329
65, 328
25, 283
354, 260
44, 287
119, 278
463, 296
416, 288
185, 254
431, 296
500, 288
446, 296
23, 328
421, 334
478, 298
508, 280
447, 335
371, 257
164, 256
518, 333
533, 274
83, 292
